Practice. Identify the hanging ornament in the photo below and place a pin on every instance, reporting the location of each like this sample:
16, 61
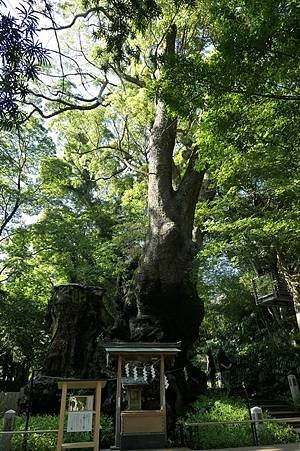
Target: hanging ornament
152, 372
135, 373
166, 383
186, 376
145, 375
127, 372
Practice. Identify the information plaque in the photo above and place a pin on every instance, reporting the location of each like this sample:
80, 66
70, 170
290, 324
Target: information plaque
80, 421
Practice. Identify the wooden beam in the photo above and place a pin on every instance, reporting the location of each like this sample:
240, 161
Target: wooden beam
118, 402
139, 355
163, 394
81, 384
162, 383
97, 416
79, 445
60, 436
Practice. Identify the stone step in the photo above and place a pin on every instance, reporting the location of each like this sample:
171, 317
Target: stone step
269, 404
284, 414
275, 406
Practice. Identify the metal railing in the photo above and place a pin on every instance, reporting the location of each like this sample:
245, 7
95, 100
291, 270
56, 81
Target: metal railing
235, 433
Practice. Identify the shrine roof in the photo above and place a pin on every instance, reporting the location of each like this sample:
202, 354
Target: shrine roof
136, 348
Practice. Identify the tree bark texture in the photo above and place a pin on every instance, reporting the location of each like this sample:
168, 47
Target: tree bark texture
77, 317
292, 277
168, 307
167, 304
288, 265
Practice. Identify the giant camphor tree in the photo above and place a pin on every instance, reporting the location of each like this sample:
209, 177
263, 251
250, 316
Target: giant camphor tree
180, 55
164, 292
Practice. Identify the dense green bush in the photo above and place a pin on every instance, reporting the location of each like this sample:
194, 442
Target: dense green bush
222, 408
47, 441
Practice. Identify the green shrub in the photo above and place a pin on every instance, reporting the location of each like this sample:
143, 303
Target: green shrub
47, 441
276, 433
230, 435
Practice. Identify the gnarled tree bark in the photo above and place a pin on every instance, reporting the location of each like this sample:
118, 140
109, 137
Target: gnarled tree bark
77, 316
167, 307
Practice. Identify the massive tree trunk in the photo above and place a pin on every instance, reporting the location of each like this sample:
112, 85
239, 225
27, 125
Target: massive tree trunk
163, 303
168, 307
166, 300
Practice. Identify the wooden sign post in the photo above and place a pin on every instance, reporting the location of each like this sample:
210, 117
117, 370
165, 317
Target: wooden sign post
83, 415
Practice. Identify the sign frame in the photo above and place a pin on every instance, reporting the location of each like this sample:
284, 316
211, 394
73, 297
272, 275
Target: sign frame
80, 384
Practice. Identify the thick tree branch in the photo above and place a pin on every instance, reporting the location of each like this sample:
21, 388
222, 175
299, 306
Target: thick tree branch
63, 101
188, 191
82, 15
60, 111
161, 148
8, 216
131, 166
74, 74
191, 176
69, 107
268, 96
114, 174
134, 80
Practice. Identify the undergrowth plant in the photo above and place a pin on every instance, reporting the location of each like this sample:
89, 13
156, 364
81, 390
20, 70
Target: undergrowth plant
227, 429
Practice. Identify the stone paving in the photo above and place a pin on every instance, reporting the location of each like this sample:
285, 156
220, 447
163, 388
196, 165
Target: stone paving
289, 447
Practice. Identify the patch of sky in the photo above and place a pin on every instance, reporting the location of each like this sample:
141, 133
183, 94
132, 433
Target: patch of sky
30, 219
219, 267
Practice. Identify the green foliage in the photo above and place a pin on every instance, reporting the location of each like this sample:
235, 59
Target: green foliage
227, 83
22, 56
241, 47
126, 18
22, 334
255, 45
260, 344
222, 408
47, 441
253, 218
21, 152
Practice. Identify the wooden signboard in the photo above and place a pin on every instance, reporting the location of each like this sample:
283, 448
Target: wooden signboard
83, 413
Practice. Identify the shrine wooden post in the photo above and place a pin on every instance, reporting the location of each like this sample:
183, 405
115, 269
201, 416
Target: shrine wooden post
163, 406
118, 403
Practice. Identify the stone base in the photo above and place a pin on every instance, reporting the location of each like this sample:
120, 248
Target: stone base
142, 441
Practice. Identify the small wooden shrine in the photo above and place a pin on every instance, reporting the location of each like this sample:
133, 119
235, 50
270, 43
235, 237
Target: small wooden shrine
82, 412
138, 363
270, 290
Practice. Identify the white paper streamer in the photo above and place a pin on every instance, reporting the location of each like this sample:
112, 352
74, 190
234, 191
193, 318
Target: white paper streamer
152, 372
186, 376
166, 383
145, 375
127, 371
135, 373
